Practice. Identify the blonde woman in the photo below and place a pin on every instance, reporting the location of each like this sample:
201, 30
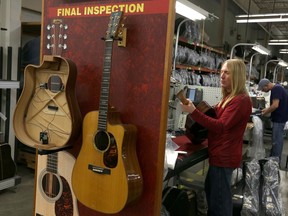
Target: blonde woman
225, 135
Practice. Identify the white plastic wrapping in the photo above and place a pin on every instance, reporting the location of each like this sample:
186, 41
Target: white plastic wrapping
271, 201
251, 190
170, 155
257, 150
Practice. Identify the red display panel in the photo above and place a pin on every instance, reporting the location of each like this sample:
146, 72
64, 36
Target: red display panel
137, 76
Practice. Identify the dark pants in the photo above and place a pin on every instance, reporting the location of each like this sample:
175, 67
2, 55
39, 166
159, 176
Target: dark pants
218, 191
277, 140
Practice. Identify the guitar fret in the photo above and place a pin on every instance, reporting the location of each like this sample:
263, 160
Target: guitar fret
103, 106
52, 162
102, 121
104, 98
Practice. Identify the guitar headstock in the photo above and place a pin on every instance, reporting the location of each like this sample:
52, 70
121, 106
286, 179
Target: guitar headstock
114, 25
57, 37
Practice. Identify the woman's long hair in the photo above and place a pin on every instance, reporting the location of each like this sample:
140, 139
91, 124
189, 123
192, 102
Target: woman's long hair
237, 69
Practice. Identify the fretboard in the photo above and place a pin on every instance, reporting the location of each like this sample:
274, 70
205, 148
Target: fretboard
52, 162
104, 95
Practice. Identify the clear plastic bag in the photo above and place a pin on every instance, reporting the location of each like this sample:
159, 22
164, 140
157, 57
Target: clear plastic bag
271, 201
257, 150
251, 190
169, 158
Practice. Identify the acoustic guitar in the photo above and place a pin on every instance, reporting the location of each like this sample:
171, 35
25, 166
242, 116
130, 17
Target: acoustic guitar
47, 114
106, 176
53, 192
193, 130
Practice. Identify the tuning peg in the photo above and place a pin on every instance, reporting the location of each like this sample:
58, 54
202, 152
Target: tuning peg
48, 27
65, 36
64, 46
65, 26
48, 36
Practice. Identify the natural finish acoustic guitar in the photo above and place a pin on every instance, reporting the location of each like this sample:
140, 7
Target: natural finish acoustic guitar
106, 176
54, 109
47, 114
54, 195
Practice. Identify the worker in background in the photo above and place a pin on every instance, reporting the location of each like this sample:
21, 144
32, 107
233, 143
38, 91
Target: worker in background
225, 135
279, 114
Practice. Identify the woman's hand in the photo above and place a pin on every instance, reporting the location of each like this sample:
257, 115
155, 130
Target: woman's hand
189, 107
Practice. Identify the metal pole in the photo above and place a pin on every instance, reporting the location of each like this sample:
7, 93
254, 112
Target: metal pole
250, 66
176, 42
265, 68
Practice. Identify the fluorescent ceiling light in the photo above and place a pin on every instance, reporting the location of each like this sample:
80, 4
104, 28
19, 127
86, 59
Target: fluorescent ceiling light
255, 46
262, 50
282, 40
283, 51
258, 18
189, 10
278, 42
283, 63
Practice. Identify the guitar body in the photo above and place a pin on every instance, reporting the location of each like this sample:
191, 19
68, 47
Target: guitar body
54, 195
93, 185
194, 131
47, 113
7, 165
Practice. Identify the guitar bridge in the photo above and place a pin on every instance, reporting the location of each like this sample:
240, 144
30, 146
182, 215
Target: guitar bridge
99, 170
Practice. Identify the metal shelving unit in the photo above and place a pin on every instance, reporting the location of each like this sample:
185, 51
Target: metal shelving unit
8, 85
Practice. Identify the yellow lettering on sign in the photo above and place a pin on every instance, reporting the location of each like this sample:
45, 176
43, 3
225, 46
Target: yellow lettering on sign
68, 12
127, 8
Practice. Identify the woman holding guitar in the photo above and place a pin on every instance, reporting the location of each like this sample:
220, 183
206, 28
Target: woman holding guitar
225, 135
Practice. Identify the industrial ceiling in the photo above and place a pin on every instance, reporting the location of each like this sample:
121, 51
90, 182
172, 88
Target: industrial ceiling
277, 30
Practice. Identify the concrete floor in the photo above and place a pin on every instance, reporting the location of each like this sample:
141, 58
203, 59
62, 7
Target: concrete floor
19, 200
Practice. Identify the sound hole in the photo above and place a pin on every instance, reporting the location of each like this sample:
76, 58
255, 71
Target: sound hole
102, 140
55, 84
105, 142
51, 186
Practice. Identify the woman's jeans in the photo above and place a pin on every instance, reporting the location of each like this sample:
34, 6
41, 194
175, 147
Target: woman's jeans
218, 191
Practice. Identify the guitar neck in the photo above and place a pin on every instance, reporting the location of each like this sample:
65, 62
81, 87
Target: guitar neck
52, 162
105, 85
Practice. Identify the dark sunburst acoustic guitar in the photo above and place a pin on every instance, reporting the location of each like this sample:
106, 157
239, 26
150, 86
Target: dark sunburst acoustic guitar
106, 176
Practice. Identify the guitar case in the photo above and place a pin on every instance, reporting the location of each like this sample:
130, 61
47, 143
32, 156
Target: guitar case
47, 114
194, 131
7, 165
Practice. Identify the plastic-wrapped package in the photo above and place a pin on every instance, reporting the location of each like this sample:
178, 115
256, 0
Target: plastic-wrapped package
181, 56
169, 154
192, 57
270, 190
237, 175
257, 150
251, 190
192, 31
